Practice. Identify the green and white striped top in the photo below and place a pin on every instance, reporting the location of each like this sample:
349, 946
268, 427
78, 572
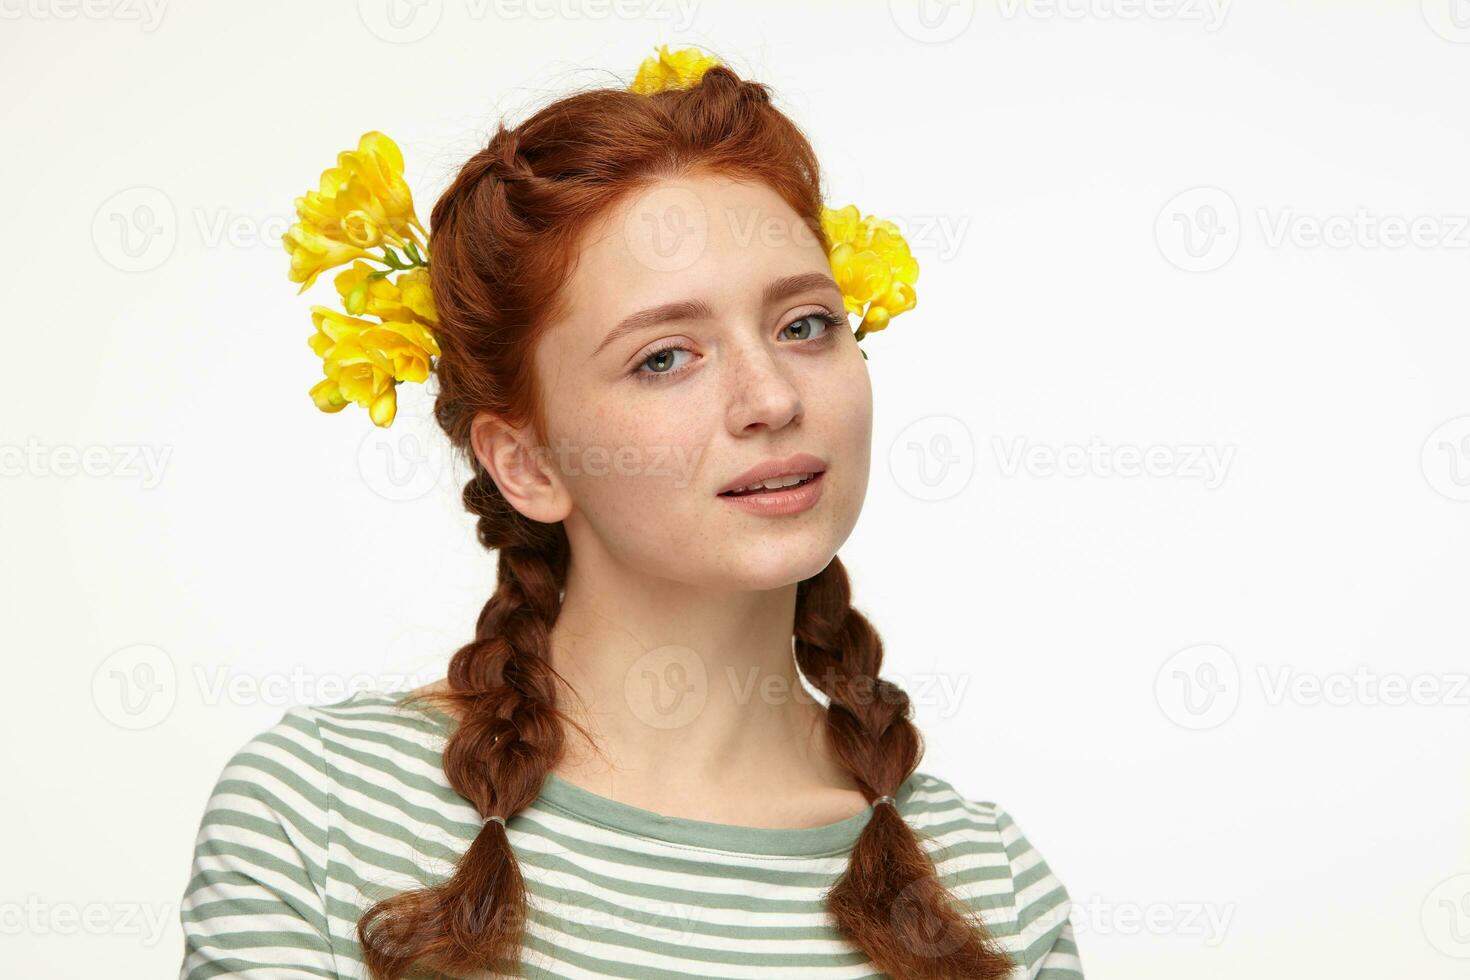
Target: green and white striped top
336, 807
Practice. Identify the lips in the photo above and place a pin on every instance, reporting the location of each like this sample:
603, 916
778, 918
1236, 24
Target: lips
776, 485
800, 464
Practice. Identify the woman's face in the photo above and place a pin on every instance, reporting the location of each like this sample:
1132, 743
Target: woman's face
649, 419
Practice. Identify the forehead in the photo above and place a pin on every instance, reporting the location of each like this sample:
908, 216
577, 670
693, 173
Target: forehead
705, 237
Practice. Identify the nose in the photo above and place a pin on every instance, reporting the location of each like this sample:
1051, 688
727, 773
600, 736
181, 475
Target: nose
761, 392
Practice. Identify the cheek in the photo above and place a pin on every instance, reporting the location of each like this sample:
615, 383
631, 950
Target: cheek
846, 406
633, 469
846, 399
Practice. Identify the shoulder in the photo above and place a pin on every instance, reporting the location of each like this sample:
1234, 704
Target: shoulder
982, 855
366, 732
331, 766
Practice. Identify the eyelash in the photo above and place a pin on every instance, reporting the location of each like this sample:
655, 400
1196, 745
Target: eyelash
832, 320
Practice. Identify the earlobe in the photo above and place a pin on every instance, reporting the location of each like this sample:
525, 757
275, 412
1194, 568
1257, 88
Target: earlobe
522, 471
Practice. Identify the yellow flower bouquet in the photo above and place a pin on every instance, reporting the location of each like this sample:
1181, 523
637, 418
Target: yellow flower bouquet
385, 337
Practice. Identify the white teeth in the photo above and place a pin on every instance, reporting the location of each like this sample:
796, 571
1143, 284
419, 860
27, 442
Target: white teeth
776, 483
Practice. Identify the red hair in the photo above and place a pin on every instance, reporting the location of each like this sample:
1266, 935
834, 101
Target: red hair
505, 236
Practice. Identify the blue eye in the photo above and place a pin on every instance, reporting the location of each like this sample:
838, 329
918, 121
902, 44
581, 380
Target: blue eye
661, 363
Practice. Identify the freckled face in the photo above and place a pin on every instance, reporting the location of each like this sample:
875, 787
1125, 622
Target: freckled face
647, 424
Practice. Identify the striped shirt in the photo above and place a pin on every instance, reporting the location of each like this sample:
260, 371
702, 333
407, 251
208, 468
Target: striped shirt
336, 807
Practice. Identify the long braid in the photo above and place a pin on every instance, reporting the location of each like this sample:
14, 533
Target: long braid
889, 900
510, 734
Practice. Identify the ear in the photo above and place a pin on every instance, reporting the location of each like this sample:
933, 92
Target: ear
521, 468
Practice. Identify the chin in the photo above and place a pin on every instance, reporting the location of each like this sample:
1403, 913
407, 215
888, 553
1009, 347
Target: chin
764, 567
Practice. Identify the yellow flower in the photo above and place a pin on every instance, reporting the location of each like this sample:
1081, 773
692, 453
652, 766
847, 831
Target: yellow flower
671, 70
405, 299
363, 361
873, 266
313, 252
414, 288
361, 203
376, 186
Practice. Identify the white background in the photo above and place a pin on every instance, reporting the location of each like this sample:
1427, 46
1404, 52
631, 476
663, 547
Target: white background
1103, 654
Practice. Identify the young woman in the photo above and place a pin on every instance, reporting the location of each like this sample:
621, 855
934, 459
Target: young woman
623, 774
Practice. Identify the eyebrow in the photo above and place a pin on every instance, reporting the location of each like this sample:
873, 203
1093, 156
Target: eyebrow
698, 309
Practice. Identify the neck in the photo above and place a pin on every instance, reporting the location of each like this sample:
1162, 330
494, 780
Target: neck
685, 687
